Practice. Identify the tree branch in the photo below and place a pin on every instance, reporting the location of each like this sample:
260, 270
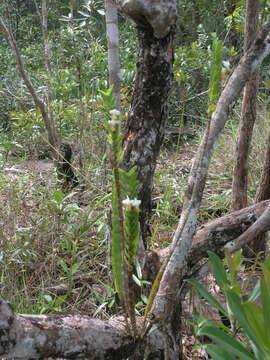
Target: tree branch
39, 103
42, 336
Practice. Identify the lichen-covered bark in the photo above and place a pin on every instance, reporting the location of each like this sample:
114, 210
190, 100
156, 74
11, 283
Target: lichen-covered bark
161, 14
148, 113
43, 336
212, 235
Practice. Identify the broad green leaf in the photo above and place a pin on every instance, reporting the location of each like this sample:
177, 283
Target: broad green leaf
75, 268
218, 270
48, 298
204, 293
217, 353
267, 262
266, 275
238, 310
256, 321
226, 342
265, 296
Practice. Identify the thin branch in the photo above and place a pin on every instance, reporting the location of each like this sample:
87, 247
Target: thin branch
39, 103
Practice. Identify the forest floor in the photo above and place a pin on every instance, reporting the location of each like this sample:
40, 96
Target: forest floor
53, 249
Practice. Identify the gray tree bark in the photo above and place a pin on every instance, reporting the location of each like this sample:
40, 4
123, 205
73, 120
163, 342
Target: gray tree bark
113, 49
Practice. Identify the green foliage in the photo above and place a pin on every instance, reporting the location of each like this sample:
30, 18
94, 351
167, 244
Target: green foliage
250, 317
116, 249
215, 74
125, 223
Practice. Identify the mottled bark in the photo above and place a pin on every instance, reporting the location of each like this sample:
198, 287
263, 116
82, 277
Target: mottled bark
248, 116
148, 114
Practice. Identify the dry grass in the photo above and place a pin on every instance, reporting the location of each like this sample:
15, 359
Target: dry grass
51, 253
53, 259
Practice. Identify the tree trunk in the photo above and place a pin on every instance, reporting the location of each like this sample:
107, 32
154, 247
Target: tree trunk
263, 193
113, 49
166, 302
248, 116
148, 114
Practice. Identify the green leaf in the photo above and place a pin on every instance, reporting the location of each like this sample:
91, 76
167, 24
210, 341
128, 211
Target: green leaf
116, 251
107, 96
204, 293
48, 298
217, 353
238, 310
136, 280
75, 268
265, 295
63, 265
233, 262
218, 270
138, 270
227, 343
256, 321
100, 308
58, 196
255, 292
215, 75
131, 225
144, 298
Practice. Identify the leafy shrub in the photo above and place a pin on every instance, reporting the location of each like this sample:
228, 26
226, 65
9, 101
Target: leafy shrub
245, 317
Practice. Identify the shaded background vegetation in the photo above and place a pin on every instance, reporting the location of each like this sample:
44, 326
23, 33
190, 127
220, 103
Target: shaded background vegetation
53, 249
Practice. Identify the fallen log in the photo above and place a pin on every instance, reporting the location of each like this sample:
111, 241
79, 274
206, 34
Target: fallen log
43, 336
211, 236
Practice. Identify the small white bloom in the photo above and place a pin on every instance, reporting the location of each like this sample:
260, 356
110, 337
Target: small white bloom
136, 203
114, 122
127, 201
115, 112
226, 64
131, 203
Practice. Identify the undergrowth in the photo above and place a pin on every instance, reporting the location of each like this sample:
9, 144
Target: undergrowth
53, 249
